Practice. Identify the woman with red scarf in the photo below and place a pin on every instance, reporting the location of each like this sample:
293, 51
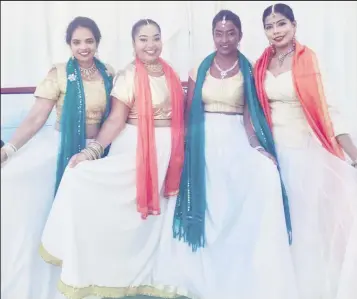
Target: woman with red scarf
321, 185
105, 224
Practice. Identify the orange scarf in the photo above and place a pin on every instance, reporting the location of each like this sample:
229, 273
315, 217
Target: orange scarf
309, 89
148, 199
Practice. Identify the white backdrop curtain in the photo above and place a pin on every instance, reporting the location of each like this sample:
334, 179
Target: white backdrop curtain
33, 38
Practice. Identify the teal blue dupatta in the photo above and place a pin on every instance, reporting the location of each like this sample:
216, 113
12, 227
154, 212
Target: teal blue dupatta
189, 217
73, 120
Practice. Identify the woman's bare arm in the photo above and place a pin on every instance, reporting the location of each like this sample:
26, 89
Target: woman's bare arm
111, 128
114, 124
252, 138
33, 122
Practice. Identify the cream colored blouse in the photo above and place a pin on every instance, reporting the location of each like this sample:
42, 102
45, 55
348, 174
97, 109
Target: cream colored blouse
53, 88
289, 123
222, 95
124, 90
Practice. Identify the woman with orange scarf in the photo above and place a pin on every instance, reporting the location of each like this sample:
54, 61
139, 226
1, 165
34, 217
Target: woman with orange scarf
321, 186
105, 224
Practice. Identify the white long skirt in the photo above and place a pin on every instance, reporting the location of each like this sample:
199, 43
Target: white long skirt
27, 190
94, 231
322, 191
348, 287
247, 255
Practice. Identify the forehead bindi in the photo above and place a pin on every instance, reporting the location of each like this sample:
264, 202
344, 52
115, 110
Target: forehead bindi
273, 19
225, 27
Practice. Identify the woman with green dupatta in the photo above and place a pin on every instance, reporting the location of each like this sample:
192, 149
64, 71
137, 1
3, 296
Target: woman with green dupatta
231, 235
115, 206
33, 161
311, 140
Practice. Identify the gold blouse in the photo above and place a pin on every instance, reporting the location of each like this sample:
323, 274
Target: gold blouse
222, 95
124, 90
53, 88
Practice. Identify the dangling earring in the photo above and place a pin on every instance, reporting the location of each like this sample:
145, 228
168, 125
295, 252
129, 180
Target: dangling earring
273, 50
294, 42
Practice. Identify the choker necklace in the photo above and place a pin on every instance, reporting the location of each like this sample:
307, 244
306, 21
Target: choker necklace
154, 68
88, 73
224, 73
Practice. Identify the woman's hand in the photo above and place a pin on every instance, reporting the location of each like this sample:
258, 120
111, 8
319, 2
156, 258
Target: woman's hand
76, 159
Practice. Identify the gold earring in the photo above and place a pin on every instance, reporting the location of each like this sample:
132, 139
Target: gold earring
272, 48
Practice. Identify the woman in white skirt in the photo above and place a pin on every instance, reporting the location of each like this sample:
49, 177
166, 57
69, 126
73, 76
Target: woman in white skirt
229, 213
33, 162
105, 224
321, 186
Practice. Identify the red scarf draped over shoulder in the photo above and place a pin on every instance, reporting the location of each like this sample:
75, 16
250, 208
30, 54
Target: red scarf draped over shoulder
147, 186
308, 86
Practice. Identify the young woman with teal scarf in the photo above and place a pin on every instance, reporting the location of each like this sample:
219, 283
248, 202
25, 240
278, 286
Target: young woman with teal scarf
33, 161
114, 207
231, 229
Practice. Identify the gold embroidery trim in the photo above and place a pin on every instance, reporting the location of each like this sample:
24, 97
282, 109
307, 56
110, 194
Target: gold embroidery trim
72, 292
118, 292
48, 258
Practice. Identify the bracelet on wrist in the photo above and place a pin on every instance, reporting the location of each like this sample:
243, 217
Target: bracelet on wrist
9, 150
93, 151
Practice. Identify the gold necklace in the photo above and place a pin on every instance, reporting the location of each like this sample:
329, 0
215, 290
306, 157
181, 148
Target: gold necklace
154, 68
88, 73
281, 57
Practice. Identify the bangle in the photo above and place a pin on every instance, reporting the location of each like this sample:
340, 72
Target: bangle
93, 151
97, 147
354, 163
9, 150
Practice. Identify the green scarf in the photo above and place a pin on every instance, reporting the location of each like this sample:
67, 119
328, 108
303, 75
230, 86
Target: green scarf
73, 119
189, 217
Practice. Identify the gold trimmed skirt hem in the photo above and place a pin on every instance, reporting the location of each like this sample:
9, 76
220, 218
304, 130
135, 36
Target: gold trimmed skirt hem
73, 292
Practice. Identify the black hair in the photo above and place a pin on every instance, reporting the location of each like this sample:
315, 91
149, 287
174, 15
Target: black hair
140, 23
229, 16
86, 23
281, 8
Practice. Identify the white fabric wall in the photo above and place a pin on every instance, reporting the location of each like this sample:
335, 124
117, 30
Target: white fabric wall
33, 38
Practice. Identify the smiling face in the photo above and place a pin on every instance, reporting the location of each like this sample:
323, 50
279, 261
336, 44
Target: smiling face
226, 37
147, 43
279, 30
83, 45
